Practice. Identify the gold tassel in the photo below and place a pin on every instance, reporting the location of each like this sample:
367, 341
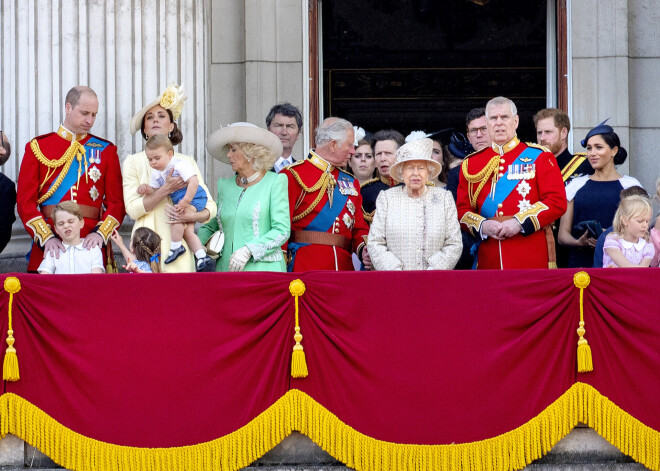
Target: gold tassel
10, 370
584, 361
298, 363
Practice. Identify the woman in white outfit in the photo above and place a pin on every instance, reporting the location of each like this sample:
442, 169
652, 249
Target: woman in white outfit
415, 226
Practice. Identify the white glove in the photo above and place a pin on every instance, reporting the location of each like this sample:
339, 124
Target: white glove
239, 259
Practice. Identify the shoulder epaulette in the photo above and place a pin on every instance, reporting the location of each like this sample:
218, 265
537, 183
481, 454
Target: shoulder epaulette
297, 162
475, 152
100, 139
580, 154
347, 173
538, 146
43, 135
369, 182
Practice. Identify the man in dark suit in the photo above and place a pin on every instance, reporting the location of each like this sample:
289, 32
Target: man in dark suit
7, 195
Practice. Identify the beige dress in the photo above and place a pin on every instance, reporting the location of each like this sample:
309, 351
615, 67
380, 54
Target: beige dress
415, 233
137, 171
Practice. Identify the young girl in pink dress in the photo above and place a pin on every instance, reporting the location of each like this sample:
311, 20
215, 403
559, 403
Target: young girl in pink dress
628, 245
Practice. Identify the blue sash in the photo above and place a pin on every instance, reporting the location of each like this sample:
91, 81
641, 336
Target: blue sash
505, 186
71, 177
322, 222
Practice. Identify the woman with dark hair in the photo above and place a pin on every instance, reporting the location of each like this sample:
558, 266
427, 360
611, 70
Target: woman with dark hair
362, 164
155, 210
593, 199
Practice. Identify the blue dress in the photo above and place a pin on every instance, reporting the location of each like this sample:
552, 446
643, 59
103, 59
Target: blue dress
593, 200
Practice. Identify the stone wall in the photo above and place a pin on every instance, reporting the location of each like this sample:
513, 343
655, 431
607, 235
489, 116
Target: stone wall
616, 66
256, 61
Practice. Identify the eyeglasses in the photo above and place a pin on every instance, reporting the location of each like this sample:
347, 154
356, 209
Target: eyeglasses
475, 131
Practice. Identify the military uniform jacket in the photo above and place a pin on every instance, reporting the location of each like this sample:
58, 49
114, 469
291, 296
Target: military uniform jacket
60, 166
325, 199
530, 190
370, 191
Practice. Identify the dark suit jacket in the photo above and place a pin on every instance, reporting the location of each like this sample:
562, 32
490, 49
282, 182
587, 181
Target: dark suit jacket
7, 205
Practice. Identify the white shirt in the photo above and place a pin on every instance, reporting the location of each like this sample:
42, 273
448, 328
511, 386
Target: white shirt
282, 162
74, 261
181, 169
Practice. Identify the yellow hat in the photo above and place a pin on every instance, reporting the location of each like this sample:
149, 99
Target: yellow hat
171, 99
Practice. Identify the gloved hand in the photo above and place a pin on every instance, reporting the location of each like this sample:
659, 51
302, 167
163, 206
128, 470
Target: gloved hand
239, 259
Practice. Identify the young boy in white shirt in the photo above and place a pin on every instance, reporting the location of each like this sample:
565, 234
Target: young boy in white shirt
76, 259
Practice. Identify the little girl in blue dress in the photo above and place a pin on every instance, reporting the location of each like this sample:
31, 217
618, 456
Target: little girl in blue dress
144, 253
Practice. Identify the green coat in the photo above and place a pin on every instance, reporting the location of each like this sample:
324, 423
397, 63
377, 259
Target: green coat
260, 221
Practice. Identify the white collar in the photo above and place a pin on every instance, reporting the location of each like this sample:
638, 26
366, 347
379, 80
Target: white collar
77, 247
639, 245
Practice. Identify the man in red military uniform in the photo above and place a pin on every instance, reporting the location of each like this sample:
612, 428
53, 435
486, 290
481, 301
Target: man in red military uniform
70, 164
509, 194
327, 224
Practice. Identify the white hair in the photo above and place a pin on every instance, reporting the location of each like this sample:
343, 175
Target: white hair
500, 100
332, 129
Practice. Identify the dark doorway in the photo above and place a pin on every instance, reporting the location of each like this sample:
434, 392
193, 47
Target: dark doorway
423, 64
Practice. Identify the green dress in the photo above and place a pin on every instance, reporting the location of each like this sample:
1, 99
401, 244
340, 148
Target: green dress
256, 217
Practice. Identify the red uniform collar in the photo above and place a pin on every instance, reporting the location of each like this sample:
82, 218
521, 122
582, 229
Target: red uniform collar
509, 146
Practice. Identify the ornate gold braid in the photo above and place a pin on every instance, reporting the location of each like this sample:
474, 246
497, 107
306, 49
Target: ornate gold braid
75, 149
320, 186
481, 177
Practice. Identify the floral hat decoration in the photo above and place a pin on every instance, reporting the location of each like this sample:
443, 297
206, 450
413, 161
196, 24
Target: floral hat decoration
171, 99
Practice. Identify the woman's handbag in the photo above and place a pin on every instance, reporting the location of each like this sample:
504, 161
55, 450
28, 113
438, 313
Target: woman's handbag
215, 244
593, 227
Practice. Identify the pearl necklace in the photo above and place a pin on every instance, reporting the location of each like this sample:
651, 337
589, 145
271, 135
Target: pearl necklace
249, 179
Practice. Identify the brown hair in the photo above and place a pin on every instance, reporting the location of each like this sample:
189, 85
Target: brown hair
73, 95
159, 142
558, 117
68, 206
146, 244
176, 136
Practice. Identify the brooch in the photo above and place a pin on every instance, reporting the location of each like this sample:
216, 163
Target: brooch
524, 205
94, 173
348, 220
351, 207
93, 193
523, 188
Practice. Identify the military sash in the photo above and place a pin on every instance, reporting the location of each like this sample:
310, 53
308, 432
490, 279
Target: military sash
507, 182
322, 222
93, 149
572, 166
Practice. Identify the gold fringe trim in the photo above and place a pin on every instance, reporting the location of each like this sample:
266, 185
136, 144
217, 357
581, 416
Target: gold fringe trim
585, 362
297, 411
10, 371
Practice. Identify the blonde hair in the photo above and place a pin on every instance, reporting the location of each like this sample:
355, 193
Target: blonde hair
159, 141
68, 206
146, 244
262, 158
630, 207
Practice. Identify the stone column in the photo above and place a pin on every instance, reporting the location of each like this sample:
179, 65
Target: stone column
601, 79
644, 68
256, 62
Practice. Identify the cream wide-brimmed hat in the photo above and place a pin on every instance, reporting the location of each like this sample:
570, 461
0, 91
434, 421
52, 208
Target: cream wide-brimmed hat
417, 150
218, 142
171, 99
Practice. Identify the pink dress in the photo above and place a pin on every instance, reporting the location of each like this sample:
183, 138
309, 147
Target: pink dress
655, 240
634, 252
